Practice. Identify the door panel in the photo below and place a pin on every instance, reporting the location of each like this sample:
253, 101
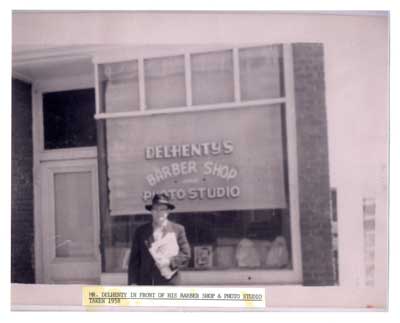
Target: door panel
70, 221
73, 211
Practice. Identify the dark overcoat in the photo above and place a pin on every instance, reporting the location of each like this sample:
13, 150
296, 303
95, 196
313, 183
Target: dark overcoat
142, 268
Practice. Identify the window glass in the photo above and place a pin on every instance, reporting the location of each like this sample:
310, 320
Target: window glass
68, 119
73, 211
227, 240
261, 75
212, 77
119, 86
165, 82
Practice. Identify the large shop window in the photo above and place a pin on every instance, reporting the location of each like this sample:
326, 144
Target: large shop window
225, 169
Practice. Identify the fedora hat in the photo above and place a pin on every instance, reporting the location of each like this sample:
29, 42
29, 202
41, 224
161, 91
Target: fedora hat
160, 199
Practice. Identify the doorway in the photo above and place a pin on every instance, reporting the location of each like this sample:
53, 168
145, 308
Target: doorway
67, 229
70, 222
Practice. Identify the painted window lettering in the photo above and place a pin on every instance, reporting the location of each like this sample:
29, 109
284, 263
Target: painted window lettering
214, 148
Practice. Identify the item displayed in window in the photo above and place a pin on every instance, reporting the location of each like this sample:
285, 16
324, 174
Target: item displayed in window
225, 257
263, 247
247, 254
203, 257
278, 256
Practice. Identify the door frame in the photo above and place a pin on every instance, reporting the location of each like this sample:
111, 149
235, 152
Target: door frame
40, 155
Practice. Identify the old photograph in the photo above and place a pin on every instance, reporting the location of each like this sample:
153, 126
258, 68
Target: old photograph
200, 149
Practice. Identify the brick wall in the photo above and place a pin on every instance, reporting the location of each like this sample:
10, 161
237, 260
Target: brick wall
314, 187
22, 239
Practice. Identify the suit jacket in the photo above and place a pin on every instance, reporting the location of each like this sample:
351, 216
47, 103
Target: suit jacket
142, 268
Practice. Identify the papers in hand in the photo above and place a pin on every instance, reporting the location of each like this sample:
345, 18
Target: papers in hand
162, 250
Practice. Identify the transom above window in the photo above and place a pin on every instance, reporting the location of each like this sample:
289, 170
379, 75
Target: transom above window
191, 80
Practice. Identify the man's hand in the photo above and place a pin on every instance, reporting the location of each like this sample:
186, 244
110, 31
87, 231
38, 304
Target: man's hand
162, 262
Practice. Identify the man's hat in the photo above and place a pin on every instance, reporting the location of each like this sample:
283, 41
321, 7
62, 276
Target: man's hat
161, 199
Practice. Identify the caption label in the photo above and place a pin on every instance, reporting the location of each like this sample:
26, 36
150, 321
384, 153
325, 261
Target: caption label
173, 296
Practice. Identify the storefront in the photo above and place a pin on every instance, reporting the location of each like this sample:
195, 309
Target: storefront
236, 136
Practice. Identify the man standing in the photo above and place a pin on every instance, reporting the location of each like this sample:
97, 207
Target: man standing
159, 249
